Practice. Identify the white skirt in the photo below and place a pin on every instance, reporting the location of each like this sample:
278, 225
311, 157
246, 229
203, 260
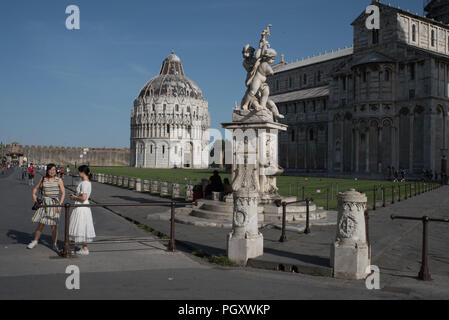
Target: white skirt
81, 228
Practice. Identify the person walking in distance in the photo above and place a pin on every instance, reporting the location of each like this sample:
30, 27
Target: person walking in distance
81, 229
53, 193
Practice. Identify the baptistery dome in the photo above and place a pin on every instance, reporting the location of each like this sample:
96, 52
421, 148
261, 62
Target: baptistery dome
170, 121
171, 81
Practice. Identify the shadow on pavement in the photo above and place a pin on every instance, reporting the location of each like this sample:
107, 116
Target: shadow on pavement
26, 238
325, 262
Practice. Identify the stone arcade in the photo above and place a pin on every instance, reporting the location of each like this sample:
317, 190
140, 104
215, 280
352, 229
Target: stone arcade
170, 121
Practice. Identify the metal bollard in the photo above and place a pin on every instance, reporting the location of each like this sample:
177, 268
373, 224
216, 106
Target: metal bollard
415, 188
383, 197
405, 186
367, 233
424, 273
392, 194
171, 244
327, 199
399, 194
307, 230
303, 193
67, 251
283, 237
374, 198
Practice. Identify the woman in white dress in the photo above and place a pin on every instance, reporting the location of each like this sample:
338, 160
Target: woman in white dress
81, 228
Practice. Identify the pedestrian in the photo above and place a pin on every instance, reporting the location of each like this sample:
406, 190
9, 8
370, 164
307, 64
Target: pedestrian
81, 229
31, 172
24, 172
217, 184
227, 187
53, 193
3, 168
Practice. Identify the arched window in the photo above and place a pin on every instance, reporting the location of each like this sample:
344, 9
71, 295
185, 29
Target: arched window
176, 108
432, 38
305, 78
387, 75
319, 76
293, 135
311, 135
414, 33
163, 149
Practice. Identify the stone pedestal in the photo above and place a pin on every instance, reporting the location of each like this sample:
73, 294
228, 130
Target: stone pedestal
139, 185
132, 183
189, 192
254, 149
125, 182
245, 242
350, 253
120, 181
114, 180
146, 186
175, 191
164, 189
154, 186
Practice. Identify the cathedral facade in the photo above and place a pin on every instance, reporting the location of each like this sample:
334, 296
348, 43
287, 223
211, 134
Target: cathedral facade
379, 104
170, 121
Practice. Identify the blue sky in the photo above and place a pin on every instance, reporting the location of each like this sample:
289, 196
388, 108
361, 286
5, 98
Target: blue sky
76, 88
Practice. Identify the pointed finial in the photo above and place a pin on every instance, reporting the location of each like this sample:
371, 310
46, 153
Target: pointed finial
172, 51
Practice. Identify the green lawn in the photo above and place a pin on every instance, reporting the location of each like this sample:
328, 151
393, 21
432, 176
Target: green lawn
320, 189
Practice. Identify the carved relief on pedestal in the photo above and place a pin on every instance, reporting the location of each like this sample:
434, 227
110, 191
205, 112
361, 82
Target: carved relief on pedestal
351, 217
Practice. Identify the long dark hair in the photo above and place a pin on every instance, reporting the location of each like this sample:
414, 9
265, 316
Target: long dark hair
85, 169
49, 167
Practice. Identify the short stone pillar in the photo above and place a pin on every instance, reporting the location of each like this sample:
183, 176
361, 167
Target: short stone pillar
217, 196
146, 185
132, 183
125, 182
139, 185
114, 180
189, 192
102, 178
245, 241
164, 189
155, 187
120, 181
350, 252
109, 178
175, 191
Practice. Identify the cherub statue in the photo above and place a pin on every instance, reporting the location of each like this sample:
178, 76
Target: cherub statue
258, 69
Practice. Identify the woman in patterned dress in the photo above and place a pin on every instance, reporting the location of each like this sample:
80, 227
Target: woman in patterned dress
53, 193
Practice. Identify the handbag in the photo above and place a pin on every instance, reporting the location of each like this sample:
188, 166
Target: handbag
39, 201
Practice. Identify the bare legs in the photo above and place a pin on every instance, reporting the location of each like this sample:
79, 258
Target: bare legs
54, 232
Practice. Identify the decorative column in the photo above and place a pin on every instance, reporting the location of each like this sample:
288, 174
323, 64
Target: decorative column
254, 151
350, 253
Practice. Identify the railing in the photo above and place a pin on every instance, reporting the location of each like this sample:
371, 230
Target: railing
284, 205
424, 272
325, 195
67, 251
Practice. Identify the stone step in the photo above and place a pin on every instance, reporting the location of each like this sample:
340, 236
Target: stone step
213, 215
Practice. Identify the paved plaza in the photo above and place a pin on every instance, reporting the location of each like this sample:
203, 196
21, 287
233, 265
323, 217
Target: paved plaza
137, 267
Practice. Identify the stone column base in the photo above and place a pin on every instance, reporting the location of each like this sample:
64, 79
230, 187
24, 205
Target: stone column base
350, 261
240, 250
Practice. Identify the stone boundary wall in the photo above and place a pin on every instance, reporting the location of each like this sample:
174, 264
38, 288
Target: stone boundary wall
71, 155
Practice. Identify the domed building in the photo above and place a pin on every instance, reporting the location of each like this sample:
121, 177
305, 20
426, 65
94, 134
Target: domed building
170, 121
